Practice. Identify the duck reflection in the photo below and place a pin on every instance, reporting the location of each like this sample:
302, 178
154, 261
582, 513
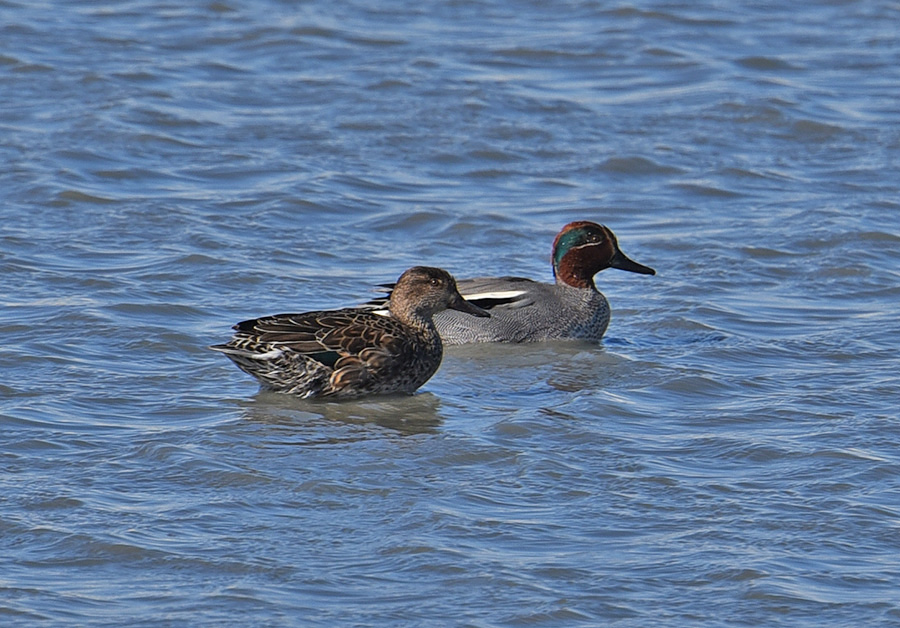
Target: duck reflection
507, 369
403, 414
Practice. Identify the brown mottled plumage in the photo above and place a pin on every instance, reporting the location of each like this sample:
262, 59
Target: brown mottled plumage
353, 351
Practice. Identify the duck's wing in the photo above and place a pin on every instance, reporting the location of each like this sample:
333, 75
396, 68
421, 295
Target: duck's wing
488, 293
499, 293
326, 336
325, 353
347, 347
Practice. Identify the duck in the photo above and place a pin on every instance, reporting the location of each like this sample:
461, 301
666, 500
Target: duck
524, 310
352, 352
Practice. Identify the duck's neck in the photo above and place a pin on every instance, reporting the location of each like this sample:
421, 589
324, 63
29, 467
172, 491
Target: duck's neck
421, 325
416, 318
573, 271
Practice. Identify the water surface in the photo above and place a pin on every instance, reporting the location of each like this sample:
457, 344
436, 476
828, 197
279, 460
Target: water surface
727, 456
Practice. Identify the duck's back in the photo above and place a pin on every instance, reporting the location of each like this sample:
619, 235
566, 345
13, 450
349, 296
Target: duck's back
523, 310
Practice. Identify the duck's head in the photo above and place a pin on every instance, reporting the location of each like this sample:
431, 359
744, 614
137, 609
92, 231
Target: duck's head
425, 291
583, 248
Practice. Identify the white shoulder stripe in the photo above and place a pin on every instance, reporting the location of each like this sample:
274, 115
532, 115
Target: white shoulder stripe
507, 294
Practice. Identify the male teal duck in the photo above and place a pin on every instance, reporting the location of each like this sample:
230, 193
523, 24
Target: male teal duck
524, 310
352, 352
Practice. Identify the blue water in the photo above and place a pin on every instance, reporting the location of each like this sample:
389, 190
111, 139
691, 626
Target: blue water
727, 456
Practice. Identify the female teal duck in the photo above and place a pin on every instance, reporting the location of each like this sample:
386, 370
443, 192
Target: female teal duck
523, 310
352, 352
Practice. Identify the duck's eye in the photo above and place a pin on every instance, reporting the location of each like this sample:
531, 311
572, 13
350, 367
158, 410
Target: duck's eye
434, 281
